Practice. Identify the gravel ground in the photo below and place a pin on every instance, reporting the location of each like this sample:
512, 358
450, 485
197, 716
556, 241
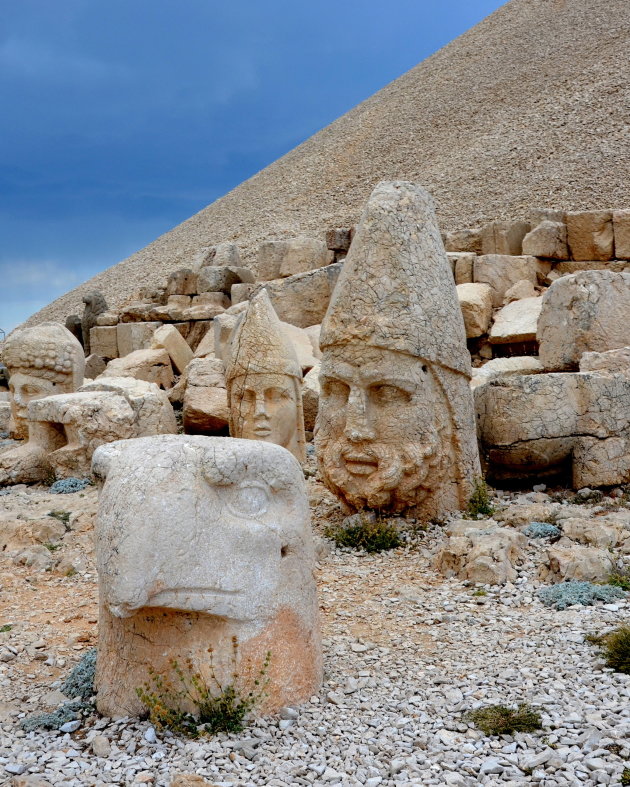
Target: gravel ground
407, 655
527, 109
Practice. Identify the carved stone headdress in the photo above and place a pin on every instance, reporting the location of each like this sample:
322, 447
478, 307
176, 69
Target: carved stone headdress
47, 350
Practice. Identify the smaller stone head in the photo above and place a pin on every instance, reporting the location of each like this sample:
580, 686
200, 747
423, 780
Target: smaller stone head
263, 379
44, 360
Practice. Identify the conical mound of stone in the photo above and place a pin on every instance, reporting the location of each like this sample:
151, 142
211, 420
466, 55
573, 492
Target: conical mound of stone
527, 109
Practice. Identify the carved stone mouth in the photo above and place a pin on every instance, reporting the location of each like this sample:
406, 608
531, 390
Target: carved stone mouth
360, 464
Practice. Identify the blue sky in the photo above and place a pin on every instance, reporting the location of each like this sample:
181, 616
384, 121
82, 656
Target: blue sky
122, 118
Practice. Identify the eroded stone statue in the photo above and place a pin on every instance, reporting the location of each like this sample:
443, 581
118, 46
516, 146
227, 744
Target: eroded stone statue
214, 542
395, 428
42, 361
264, 379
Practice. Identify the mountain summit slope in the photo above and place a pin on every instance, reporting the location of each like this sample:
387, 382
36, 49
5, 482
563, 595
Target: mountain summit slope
530, 108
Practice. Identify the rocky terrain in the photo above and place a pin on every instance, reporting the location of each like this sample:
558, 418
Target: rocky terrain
529, 107
408, 654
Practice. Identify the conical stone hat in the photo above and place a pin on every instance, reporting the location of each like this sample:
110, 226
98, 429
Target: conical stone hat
396, 290
259, 345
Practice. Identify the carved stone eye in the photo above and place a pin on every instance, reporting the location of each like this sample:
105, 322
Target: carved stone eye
249, 501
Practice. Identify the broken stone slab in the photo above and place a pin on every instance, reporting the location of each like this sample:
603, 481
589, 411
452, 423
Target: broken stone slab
224, 254
281, 258
486, 555
94, 365
621, 229
153, 366
591, 532
221, 279
475, 301
548, 239
576, 562
590, 234
575, 266
584, 312
516, 322
609, 362
244, 570
504, 237
69, 427
339, 238
168, 338
132, 336
313, 332
302, 299
501, 367
182, 282
501, 272
107, 318
310, 397
522, 289
241, 292
464, 267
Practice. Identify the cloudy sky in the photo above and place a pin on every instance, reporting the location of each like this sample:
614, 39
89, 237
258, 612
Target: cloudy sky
122, 118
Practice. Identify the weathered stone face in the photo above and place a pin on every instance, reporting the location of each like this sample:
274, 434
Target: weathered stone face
215, 542
379, 438
42, 361
266, 407
263, 379
395, 426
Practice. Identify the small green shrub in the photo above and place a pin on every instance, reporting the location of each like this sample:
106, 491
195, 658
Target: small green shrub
218, 708
501, 720
375, 535
52, 547
479, 503
616, 649
5, 628
625, 777
480, 592
566, 594
620, 579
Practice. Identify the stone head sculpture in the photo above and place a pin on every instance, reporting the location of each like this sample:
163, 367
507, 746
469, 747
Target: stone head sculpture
395, 428
95, 304
44, 360
213, 542
263, 379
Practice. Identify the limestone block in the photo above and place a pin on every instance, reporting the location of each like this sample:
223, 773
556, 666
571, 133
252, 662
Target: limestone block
485, 555
310, 397
132, 336
588, 564
205, 408
584, 312
339, 239
201, 311
244, 568
107, 318
538, 215
590, 234
223, 328
241, 292
466, 240
5, 416
223, 254
598, 462
609, 362
464, 267
313, 332
167, 337
153, 366
219, 299
501, 272
621, 228
206, 346
548, 239
522, 289
590, 532
395, 426
516, 322
504, 237
301, 344
104, 341
183, 301
221, 279
182, 282
302, 299
281, 258
502, 367
99, 412
94, 365
475, 301
198, 331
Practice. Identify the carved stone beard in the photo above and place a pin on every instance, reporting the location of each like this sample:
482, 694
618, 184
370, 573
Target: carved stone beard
398, 481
